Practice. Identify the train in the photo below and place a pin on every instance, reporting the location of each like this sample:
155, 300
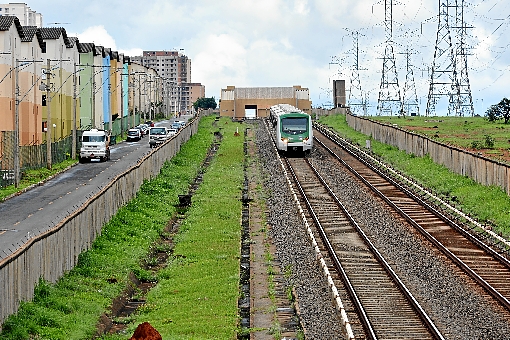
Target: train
293, 128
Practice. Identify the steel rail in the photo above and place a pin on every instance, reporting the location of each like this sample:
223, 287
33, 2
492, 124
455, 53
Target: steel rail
336, 261
428, 323
488, 288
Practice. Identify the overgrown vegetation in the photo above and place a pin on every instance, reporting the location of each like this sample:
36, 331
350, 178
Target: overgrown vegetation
196, 296
485, 203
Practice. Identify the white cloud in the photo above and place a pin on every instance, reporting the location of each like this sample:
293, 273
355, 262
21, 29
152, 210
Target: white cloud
292, 42
99, 36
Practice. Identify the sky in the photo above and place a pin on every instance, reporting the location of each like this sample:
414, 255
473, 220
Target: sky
252, 43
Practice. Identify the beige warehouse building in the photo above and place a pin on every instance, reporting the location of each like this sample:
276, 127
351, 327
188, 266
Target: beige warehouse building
254, 102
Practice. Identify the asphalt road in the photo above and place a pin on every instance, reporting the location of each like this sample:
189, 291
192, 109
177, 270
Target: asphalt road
42, 207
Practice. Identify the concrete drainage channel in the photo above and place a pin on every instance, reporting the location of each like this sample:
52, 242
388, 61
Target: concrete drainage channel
245, 299
134, 295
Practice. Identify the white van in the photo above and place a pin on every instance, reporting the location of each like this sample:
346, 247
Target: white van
158, 135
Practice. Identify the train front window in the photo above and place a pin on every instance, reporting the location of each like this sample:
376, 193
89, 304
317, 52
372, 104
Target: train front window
294, 125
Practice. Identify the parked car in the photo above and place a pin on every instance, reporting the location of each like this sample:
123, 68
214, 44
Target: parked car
134, 135
176, 126
150, 123
140, 129
145, 129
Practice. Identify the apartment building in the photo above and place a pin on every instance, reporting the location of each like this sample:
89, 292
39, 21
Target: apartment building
25, 15
190, 94
174, 69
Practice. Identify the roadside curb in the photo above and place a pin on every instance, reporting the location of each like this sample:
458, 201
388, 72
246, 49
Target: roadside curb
36, 184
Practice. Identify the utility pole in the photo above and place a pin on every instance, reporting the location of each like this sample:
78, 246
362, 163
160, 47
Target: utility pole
73, 148
121, 105
16, 128
355, 101
139, 96
93, 97
443, 78
48, 115
465, 100
409, 97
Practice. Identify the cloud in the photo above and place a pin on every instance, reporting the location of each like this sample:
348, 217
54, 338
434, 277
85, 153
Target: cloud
293, 42
99, 36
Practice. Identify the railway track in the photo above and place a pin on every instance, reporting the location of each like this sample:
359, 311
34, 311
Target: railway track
384, 307
454, 300
485, 265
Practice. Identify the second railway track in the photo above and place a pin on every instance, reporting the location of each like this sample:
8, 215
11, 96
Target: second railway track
482, 263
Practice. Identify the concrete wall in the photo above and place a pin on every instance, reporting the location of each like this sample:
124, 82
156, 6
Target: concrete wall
482, 170
56, 251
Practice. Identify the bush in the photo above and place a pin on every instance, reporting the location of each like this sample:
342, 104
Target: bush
489, 142
476, 144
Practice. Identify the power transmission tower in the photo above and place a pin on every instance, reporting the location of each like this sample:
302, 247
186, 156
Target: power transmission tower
465, 100
389, 92
356, 101
409, 98
443, 77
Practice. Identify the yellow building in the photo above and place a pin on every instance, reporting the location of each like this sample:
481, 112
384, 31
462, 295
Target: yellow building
254, 102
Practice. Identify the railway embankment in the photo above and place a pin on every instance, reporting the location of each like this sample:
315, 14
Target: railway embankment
71, 307
486, 203
483, 170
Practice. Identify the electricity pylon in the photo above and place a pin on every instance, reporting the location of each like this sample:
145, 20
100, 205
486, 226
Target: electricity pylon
443, 76
389, 92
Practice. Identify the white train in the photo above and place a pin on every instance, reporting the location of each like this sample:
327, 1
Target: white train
293, 128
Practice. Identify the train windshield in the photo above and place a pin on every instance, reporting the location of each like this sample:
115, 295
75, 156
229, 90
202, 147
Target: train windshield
294, 125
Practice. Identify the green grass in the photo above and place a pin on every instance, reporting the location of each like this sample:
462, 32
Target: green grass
485, 203
34, 176
466, 132
196, 296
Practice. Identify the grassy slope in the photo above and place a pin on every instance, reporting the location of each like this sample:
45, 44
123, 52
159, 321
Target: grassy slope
70, 309
460, 131
486, 203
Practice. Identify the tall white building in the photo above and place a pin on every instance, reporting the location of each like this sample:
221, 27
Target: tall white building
175, 70
26, 16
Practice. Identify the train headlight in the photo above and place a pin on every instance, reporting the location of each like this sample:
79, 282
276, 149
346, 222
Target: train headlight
285, 140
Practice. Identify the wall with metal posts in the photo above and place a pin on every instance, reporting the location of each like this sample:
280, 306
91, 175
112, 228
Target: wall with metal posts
56, 251
481, 169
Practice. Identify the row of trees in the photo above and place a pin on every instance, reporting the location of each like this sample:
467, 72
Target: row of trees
205, 103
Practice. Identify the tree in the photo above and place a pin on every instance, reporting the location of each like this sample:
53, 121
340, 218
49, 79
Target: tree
205, 103
500, 110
